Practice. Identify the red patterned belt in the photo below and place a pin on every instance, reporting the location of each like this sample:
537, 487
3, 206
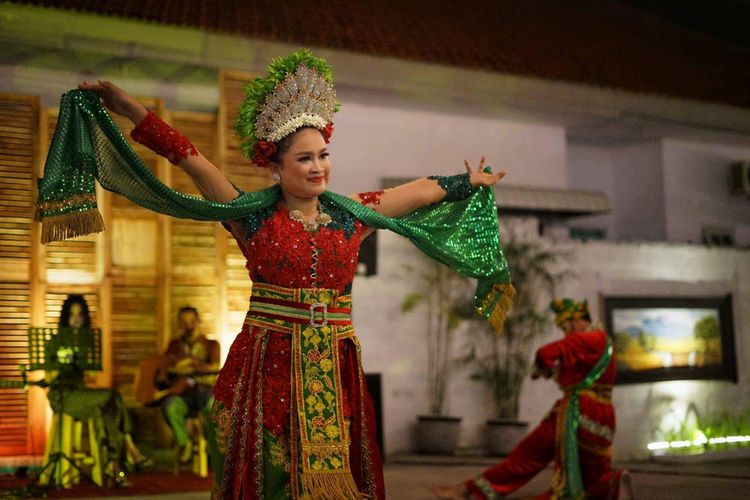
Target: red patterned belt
278, 307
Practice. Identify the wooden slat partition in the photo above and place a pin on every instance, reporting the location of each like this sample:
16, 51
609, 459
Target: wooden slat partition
247, 177
135, 275
14, 416
138, 266
239, 169
195, 276
19, 122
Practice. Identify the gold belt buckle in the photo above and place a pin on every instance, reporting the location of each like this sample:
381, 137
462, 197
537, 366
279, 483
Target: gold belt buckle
322, 308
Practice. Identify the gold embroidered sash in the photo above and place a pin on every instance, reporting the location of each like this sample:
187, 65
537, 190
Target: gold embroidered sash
316, 318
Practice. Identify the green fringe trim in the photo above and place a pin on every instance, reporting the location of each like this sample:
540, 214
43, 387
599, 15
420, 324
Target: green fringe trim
496, 305
330, 485
70, 225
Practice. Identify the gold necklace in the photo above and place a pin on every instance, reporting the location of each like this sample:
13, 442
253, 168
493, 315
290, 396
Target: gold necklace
322, 219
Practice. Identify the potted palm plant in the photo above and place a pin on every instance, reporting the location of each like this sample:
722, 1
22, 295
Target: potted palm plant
501, 362
439, 290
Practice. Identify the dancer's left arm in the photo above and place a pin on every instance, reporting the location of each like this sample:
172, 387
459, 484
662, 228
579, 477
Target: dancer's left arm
403, 199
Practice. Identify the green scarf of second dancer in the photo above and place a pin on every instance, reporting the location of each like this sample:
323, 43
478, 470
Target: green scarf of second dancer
88, 146
571, 467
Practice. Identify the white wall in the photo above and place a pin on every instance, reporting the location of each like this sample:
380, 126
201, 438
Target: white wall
593, 167
390, 138
698, 193
633, 178
638, 192
664, 190
393, 343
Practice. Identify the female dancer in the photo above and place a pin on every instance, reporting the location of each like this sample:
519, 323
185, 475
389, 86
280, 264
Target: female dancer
293, 417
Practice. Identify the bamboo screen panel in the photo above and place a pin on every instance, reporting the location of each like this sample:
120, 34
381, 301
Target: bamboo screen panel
195, 277
134, 235
72, 261
15, 308
18, 125
19, 118
238, 168
245, 176
134, 331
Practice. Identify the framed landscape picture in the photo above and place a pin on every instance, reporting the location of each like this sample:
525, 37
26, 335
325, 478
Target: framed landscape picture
670, 338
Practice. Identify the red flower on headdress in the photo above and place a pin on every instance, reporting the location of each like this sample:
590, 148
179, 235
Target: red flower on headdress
327, 132
263, 151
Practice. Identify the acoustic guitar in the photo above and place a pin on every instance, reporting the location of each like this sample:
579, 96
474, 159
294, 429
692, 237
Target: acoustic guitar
154, 380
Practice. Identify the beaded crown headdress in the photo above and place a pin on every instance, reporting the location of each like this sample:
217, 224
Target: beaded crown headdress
298, 91
566, 309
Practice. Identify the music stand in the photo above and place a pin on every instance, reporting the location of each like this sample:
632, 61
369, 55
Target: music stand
86, 344
63, 350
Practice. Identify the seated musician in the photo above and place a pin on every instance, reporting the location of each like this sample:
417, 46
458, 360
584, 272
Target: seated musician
70, 394
192, 360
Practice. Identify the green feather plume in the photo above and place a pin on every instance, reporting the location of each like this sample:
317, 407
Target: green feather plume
258, 90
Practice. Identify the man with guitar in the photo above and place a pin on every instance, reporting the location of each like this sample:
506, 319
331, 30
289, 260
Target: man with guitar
192, 361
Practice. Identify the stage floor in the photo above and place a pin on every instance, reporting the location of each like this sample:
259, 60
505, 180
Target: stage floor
728, 480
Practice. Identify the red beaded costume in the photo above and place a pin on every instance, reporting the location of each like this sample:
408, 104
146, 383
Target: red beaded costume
254, 393
292, 416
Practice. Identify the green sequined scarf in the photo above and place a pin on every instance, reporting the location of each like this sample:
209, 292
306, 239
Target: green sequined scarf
88, 146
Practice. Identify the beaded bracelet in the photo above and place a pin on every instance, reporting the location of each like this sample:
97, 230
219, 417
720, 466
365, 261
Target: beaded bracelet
456, 187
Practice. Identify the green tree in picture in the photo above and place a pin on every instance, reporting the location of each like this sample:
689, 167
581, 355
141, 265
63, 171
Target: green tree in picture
706, 330
622, 342
646, 341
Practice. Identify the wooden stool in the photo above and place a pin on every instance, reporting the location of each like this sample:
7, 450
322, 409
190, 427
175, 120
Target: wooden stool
70, 445
199, 462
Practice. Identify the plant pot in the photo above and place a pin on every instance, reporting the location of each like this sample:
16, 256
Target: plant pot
503, 434
437, 435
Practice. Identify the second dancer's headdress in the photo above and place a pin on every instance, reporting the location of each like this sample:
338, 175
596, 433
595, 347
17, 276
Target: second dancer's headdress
567, 309
297, 92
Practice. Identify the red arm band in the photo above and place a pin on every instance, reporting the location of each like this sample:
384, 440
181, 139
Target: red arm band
162, 139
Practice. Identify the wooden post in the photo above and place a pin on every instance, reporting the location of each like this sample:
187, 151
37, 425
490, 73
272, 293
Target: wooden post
104, 277
39, 415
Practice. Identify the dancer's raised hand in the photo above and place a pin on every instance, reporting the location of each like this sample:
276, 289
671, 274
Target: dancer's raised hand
117, 100
479, 177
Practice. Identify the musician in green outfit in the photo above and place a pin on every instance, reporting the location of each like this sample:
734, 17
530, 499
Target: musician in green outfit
69, 393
